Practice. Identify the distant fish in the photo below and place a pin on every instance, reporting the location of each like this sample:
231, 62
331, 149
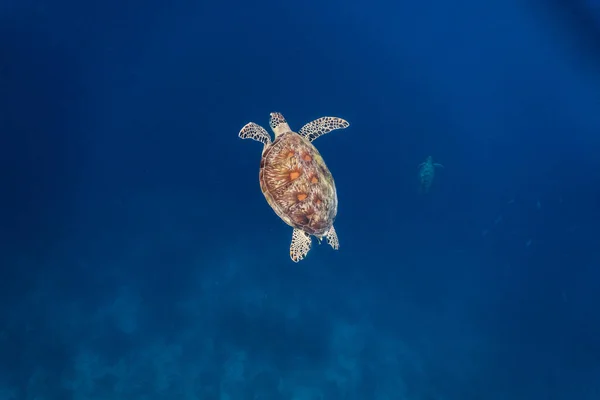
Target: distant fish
528, 243
539, 205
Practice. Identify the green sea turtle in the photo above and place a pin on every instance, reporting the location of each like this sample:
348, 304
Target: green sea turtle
295, 180
427, 173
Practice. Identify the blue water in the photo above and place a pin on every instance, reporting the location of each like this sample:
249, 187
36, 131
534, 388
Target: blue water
139, 259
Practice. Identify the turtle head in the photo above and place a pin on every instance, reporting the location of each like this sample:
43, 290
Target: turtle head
278, 124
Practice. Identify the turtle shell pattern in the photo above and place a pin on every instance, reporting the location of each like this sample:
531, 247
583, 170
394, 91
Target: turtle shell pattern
298, 185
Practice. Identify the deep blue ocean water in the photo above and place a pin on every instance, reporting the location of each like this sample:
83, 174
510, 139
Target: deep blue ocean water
140, 260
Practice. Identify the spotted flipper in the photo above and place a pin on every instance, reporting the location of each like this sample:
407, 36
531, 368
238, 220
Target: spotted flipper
300, 245
332, 238
256, 132
321, 126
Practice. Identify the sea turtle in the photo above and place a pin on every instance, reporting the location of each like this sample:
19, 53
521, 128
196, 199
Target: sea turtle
295, 180
427, 173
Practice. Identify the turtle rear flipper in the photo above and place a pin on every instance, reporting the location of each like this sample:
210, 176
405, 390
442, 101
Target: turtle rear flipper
332, 238
256, 132
321, 126
300, 245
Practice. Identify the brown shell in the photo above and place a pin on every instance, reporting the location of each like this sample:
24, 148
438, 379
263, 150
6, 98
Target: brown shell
298, 185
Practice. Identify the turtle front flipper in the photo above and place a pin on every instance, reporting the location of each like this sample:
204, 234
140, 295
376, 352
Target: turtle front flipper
300, 245
321, 126
256, 132
332, 238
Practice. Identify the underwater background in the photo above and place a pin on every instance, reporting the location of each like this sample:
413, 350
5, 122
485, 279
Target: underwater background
140, 260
